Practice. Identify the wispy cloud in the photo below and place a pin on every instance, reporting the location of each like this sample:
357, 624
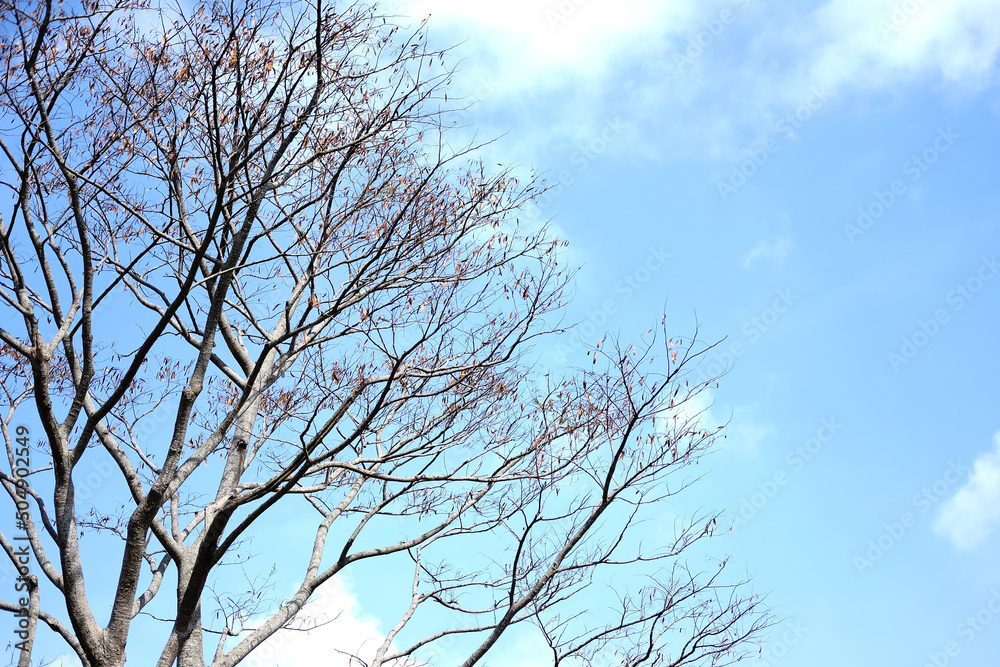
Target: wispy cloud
969, 516
776, 251
747, 431
562, 68
875, 44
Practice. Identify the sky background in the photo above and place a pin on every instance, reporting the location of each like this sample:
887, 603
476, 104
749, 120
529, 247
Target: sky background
815, 184
823, 177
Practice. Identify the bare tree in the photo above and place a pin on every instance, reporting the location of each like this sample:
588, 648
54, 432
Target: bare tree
241, 270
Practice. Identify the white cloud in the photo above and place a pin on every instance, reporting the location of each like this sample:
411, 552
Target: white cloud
561, 68
776, 251
528, 44
558, 78
969, 516
876, 44
341, 625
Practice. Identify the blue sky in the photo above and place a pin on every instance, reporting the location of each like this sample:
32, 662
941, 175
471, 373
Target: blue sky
822, 177
814, 183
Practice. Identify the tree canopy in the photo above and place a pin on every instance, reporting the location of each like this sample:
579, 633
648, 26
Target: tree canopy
242, 268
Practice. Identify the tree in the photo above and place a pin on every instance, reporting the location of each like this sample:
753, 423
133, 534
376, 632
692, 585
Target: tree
243, 270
